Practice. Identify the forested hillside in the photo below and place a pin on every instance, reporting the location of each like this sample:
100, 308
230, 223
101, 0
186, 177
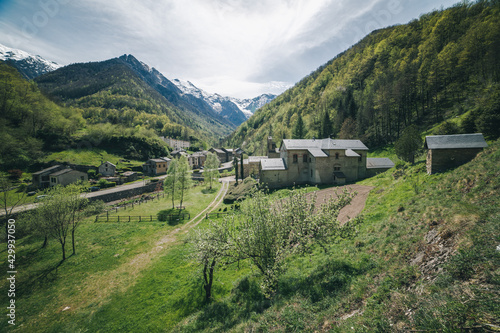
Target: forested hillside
443, 65
112, 92
31, 126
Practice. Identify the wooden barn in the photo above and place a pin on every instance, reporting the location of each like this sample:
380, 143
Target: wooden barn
449, 151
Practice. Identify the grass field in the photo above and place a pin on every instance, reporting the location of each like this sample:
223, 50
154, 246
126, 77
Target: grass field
89, 157
424, 259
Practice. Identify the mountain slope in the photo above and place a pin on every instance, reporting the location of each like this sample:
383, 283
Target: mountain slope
126, 91
422, 73
28, 65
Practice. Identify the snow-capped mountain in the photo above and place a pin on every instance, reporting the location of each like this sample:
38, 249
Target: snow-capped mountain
223, 104
30, 66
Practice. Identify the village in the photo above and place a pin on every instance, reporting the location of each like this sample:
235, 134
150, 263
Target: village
294, 162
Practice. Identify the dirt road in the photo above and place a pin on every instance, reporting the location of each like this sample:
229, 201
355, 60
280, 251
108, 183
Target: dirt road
357, 203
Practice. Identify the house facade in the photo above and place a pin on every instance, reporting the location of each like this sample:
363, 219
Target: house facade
67, 176
41, 179
251, 165
156, 166
107, 169
449, 151
197, 160
324, 161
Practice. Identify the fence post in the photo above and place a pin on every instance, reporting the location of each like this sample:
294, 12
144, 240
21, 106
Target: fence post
139, 219
107, 216
118, 218
151, 218
129, 218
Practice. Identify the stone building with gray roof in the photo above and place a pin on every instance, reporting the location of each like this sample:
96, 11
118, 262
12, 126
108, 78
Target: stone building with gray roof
449, 151
324, 161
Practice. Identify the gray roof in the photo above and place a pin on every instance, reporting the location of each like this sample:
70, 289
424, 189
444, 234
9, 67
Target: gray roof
62, 172
317, 152
323, 144
272, 164
108, 163
339, 174
379, 163
455, 141
55, 167
351, 153
219, 151
160, 160
255, 159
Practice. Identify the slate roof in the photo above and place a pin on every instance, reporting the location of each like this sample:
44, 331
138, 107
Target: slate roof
64, 171
455, 141
297, 144
379, 163
351, 153
55, 167
108, 163
317, 152
272, 164
339, 174
255, 159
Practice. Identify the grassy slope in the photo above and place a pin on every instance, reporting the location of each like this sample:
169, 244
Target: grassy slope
114, 262
369, 284
116, 284
88, 157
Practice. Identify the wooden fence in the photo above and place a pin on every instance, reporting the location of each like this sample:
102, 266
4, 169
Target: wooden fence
149, 218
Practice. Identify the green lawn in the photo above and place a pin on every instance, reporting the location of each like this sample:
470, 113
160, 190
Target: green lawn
92, 157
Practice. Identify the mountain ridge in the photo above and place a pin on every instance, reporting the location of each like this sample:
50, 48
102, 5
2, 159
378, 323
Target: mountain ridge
30, 66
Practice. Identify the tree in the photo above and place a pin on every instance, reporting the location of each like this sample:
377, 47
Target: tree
235, 164
408, 144
9, 200
76, 204
171, 181
242, 171
184, 177
298, 130
211, 172
267, 233
326, 126
60, 213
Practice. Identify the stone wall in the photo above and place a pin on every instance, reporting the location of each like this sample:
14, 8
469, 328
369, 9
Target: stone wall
439, 160
114, 196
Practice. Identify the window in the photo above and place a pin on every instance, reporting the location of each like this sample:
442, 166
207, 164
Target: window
295, 158
360, 158
311, 173
336, 168
304, 158
336, 156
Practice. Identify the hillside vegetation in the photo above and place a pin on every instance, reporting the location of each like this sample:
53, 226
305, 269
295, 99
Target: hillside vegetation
112, 92
429, 70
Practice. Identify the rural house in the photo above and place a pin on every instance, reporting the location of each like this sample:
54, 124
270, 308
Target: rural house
324, 161
41, 179
107, 169
251, 165
156, 166
67, 176
448, 151
197, 160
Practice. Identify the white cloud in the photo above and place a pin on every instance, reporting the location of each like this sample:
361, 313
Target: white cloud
237, 46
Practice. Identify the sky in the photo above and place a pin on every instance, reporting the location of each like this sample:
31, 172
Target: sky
237, 48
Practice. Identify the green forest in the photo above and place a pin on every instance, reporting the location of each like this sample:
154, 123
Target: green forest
438, 67
32, 125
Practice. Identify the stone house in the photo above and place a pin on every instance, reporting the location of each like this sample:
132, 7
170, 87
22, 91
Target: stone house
107, 169
156, 166
221, 154
67, 176
197, 160
449, 151
324, 161
129, 176
272, 150
41, 179
251, 165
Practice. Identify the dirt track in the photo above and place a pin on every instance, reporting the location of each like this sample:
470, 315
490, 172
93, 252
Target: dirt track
357, 204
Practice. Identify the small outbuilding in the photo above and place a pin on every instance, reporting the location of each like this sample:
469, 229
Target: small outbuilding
449, 151
374, 166
107, 169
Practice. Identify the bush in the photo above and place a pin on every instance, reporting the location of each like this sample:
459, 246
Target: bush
172, 216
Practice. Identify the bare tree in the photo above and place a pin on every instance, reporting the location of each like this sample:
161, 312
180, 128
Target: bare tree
8, 199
